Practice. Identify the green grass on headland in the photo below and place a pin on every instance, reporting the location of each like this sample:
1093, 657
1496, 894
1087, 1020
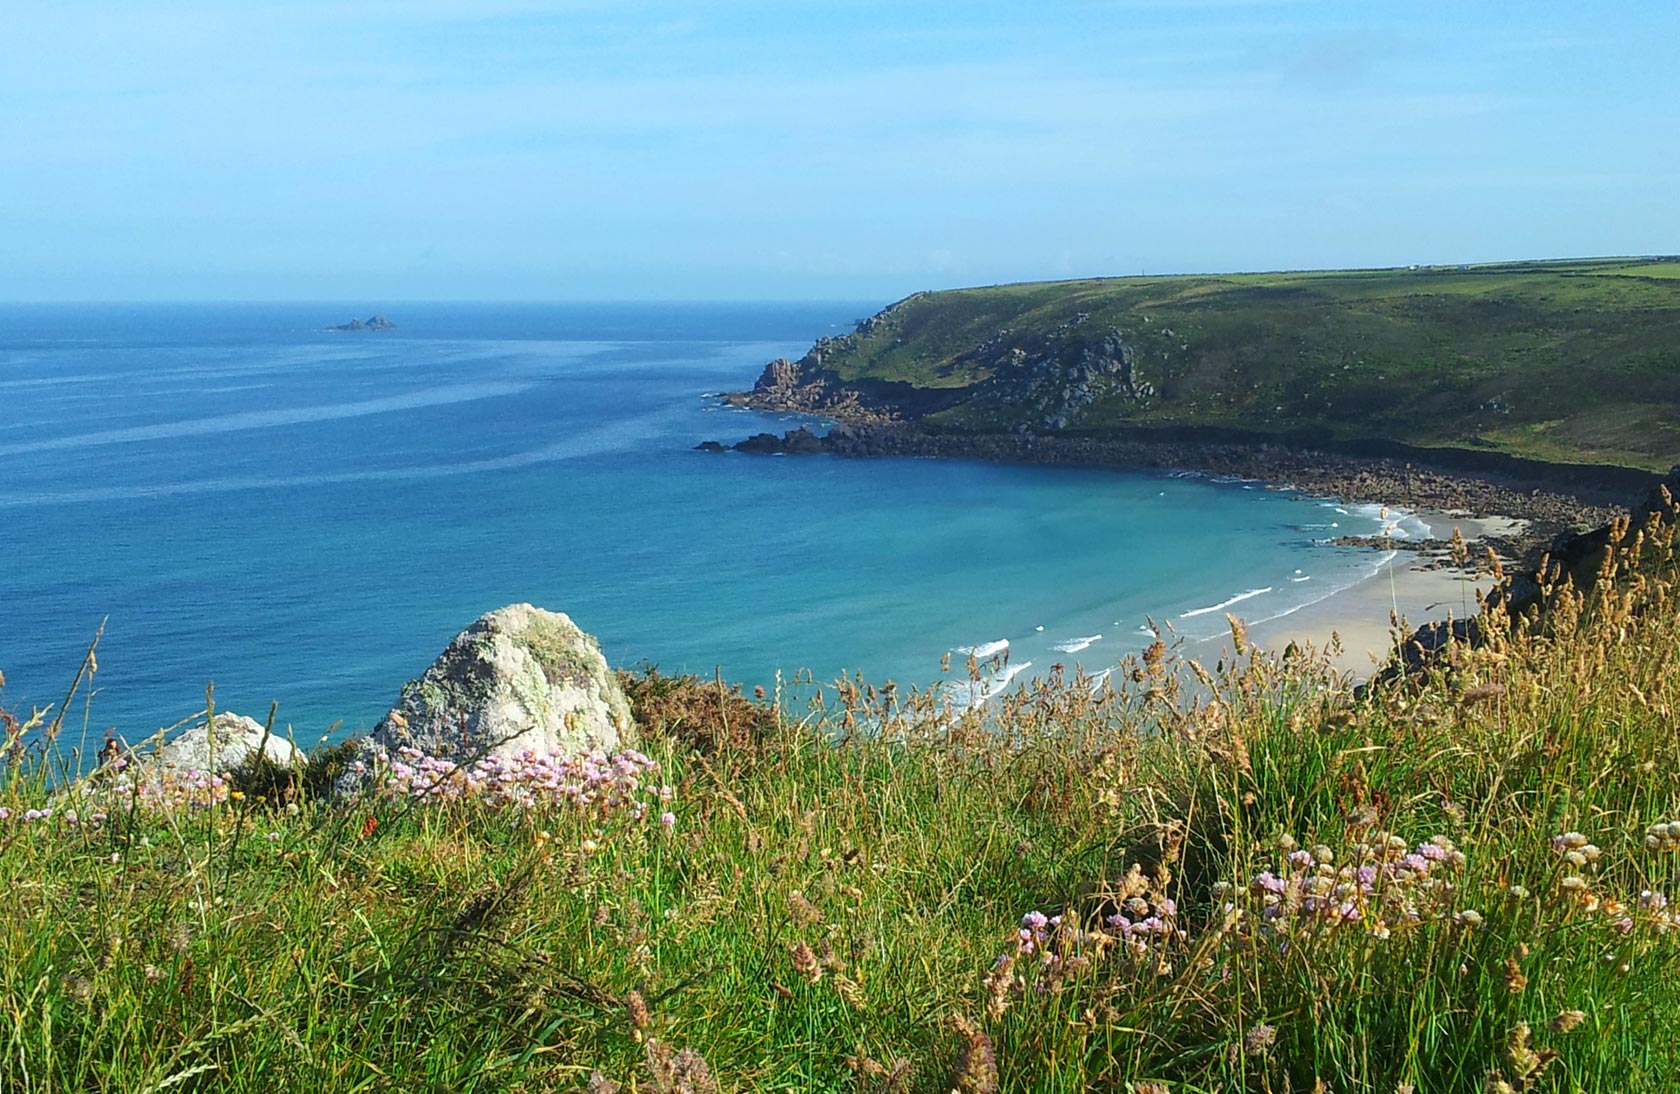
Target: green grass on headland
1575, 361
1249, 880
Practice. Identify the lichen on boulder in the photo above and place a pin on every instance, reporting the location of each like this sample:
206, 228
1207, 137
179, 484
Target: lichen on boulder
519, 680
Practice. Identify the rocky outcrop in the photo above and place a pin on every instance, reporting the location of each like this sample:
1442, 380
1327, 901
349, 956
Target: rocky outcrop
806, 386
224, 746
519, 680
799, 441
782, 379
373, 323
1046, 382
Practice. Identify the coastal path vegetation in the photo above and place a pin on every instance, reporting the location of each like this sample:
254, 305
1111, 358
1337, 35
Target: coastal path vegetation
1244, 876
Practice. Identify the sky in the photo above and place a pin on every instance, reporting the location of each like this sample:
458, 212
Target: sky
738, 149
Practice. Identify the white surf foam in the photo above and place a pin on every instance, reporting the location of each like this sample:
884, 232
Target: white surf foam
984, 649
1222, 605
977, 693
1324, 594
1074, 645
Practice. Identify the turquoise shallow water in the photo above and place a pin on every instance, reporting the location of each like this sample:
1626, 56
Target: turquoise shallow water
308, 517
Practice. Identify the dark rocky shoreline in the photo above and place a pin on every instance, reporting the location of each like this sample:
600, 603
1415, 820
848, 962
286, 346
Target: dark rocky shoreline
1551, 512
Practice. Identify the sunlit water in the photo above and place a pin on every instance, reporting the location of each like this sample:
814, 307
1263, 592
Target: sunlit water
308, 517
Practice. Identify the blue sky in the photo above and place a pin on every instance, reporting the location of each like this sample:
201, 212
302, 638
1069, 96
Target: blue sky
575, 149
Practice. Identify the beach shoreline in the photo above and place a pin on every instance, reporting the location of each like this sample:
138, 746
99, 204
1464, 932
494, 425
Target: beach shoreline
1361, 625
1516, 516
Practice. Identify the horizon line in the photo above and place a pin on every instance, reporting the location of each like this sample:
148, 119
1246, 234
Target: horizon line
1652, 258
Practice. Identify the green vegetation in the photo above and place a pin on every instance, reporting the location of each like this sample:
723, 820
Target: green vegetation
1573, 361
1245, 879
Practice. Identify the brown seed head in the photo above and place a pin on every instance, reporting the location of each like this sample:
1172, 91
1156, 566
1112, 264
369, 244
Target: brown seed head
600, 1084
805, 962
637, 1009
976, 1065
1515, 981
1566, 1020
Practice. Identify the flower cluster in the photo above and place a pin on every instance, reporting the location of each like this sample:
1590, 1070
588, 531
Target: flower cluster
1142, 920
1383, 885
619, 783
1051, 948
1580, 855
1655, 909
1663, 837
137, 788
1576, 849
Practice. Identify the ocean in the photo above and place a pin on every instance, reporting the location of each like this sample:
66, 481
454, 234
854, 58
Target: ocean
306, 517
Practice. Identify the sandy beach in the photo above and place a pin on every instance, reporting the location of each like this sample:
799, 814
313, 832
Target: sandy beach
1414, 586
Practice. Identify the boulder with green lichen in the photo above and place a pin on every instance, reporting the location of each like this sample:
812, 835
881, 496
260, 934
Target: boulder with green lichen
520, 679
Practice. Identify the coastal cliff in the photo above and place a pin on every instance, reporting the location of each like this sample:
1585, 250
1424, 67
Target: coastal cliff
1548, 391
1556, 371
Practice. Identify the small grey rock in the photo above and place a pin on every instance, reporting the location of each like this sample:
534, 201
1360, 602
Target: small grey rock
202, 750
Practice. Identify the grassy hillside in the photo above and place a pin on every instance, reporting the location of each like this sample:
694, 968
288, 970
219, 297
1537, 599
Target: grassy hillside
1564, 361
1260, 883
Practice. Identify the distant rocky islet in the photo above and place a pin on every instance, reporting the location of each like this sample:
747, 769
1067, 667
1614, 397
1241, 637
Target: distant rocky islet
372, 323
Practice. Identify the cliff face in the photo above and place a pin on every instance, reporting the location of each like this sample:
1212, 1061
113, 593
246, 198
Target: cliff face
1053, 381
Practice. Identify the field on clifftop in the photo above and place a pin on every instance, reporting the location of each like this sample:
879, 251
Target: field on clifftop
1238, 877
1569, 361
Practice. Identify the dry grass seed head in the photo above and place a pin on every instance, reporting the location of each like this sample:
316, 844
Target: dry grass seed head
1566, 1020
683, 1072
976, 1069
879, 1078
805, 961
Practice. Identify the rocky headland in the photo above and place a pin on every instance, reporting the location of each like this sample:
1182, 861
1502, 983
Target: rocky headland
1525, 390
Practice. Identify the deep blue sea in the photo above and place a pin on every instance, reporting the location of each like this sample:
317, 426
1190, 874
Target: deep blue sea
308, 517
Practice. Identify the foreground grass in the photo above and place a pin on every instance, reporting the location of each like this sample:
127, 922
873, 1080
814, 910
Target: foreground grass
1261, 882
